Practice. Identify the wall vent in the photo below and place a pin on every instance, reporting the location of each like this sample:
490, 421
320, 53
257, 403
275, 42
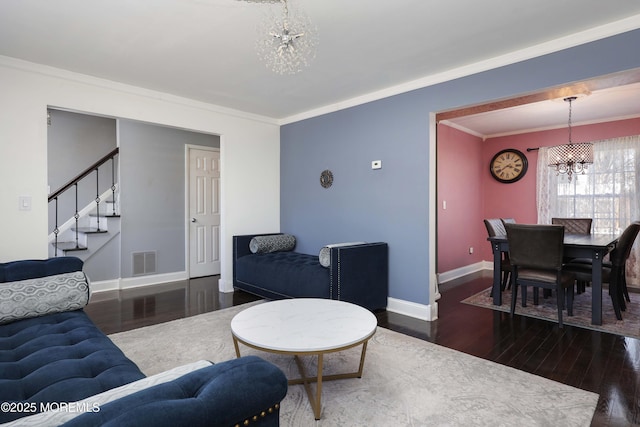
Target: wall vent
143, 263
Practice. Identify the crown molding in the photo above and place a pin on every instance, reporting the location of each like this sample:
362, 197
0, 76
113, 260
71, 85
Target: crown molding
537, 129
462, 129
576, 39
59, 73
590, 35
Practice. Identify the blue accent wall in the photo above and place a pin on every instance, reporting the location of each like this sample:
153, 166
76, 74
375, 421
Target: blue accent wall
392, 204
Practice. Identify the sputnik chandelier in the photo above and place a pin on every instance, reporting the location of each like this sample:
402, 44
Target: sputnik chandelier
571, 158
287, 41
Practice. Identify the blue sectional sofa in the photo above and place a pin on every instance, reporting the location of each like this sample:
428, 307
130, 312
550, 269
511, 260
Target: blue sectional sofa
57, 367
354, 272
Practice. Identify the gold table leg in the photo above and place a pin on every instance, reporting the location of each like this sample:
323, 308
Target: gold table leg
235, 344
316, 400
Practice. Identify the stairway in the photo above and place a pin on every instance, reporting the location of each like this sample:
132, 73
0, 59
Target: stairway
90, 238
95, 225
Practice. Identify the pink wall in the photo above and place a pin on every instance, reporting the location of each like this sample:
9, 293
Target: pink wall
460, 177
476, 195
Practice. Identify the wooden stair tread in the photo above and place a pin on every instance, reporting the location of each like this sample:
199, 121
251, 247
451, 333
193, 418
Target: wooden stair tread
70, 246
90, 230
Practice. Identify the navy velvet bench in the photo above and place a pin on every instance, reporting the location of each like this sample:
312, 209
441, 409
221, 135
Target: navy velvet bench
53, 361
358, 273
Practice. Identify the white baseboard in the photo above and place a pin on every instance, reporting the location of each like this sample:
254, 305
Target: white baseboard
104, 286
463, 271
427, 312
136, 282
152, 279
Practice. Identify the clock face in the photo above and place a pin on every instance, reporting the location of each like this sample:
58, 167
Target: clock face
508, 165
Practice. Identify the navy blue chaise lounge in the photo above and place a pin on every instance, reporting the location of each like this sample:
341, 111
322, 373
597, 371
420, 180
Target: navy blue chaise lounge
353, 272
60, 361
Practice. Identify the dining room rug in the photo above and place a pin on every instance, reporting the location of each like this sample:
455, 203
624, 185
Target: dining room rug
629, 326
406, 381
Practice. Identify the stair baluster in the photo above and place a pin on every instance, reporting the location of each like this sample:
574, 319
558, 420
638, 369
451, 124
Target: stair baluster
113, 184
56, 230
98, 200
77, 217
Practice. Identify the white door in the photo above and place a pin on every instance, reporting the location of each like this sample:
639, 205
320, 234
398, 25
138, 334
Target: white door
204, 212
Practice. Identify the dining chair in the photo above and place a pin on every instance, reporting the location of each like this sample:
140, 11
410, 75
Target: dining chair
536, 253
507, 221
496, 228
574, 225
614, 272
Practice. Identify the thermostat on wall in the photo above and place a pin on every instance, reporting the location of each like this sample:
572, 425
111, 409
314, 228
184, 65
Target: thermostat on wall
376, 164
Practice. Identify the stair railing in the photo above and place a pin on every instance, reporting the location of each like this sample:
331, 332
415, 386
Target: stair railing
74, 183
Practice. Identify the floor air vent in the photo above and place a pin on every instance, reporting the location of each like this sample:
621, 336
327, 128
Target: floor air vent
144, 263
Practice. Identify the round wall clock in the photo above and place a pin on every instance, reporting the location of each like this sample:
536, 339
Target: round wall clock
326, 178
508, 165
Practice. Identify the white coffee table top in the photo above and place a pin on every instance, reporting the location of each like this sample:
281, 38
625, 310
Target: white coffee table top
302, 325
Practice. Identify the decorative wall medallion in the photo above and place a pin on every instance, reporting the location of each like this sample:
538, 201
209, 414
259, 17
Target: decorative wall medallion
326, 178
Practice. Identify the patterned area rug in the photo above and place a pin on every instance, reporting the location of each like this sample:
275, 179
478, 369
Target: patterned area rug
629, 326
406, 381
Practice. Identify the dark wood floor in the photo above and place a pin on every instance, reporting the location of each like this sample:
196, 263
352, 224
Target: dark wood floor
602, 363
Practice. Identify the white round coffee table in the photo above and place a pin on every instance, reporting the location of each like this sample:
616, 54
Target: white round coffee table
306, 327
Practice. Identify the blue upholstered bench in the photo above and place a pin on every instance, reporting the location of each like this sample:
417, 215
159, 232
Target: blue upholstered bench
356, 273
49, 360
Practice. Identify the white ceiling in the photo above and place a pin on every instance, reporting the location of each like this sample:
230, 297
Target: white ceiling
204, 49
615, 103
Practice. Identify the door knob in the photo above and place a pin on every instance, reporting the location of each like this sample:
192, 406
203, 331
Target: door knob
193, 220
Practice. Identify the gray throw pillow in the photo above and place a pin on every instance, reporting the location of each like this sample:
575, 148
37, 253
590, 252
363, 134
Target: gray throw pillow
274, 243
36, 297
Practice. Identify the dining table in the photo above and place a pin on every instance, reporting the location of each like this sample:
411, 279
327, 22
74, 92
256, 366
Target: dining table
592, 246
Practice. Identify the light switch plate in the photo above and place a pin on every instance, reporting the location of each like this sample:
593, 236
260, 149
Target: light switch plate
376, 164
24, 203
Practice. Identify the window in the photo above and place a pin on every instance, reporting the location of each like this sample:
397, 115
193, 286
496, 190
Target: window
609, 191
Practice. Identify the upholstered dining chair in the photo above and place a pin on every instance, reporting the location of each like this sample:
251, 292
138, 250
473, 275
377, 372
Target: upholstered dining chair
574, 225
496, 228
508, 220
614, 272
536, 253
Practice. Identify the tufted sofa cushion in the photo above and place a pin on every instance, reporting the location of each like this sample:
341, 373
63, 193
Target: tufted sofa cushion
207, 396
61, 357
54, 417
285, 273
